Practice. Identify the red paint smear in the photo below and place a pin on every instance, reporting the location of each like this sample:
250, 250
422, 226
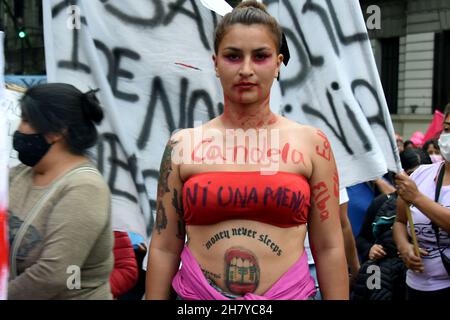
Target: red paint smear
284, 154
273, 120
187, 66
4, 248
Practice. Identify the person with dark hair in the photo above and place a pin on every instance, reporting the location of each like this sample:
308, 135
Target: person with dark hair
60, 206
426, 194
431, 147
245, 215
375, 242
408, 144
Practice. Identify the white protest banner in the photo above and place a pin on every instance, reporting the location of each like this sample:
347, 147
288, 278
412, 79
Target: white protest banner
11, 107
152, 63
4, 158
332, 83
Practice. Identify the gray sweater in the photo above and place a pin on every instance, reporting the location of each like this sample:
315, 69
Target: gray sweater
70, 240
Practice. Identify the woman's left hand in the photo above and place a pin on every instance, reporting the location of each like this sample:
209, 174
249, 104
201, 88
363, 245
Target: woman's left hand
406, 187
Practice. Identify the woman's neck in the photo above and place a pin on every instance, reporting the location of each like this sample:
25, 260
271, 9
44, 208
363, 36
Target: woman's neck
250, 116
53, 165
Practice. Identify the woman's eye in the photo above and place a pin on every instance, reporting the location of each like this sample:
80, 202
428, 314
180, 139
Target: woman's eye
232, 57
261, 57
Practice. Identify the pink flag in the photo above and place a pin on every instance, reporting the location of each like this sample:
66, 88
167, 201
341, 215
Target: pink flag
436, 126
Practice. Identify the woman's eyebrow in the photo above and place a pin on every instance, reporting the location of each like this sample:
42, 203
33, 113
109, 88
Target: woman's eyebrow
233, 49
240, 50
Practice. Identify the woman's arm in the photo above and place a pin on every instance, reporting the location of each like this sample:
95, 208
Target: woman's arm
384, 186
168, 234
406, 249
327, 244
407, 189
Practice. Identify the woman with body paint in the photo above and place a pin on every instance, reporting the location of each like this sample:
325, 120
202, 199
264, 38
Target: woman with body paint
249, 183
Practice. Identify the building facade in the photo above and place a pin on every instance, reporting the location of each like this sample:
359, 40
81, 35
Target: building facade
412, 50
22, 22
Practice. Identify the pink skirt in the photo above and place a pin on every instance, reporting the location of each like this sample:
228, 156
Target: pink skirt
191, 284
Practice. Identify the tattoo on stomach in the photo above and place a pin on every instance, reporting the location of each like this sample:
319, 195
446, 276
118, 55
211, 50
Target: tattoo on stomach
211, 276
241, 271
247, 234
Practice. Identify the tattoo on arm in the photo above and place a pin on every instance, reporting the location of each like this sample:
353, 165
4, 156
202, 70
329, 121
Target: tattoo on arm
177, 204
165, 169
163, 186
241, 271
161, 217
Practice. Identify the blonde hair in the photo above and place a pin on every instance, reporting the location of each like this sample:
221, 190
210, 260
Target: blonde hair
247, 13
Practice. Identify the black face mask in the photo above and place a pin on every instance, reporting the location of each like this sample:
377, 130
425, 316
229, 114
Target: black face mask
31, 147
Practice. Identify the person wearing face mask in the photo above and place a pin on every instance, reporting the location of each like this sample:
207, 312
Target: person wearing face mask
432, 148
59, 216
427, 193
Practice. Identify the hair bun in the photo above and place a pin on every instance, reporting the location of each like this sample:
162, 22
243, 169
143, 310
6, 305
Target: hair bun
252, 4
91, 106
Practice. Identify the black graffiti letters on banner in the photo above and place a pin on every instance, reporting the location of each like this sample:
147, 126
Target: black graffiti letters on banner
114, 57
74, 63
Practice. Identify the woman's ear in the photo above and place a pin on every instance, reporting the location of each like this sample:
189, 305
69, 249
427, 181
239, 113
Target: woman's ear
280, 59
54, 137
214, 57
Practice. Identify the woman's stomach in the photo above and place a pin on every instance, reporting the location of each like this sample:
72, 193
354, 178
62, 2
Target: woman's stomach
242, 256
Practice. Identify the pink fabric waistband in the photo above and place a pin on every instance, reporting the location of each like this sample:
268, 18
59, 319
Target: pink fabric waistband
191, 284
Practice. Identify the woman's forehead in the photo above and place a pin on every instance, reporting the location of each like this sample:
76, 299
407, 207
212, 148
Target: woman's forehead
254, 32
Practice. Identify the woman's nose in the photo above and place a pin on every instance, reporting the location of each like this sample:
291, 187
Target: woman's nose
246, 68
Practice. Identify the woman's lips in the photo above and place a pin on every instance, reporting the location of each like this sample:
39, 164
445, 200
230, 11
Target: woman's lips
245, 85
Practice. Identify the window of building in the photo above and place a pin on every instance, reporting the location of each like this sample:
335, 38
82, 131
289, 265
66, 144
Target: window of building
19, 9
389, 71
441, 74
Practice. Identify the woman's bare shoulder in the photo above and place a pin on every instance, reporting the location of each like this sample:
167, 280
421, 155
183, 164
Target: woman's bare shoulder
297, 127
190, 133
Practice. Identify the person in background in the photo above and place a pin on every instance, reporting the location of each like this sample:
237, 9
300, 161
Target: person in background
351, 253
427, 194
375, 242
60, 205
125, 273
399, 141
431, 147
140, 250
408, 144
